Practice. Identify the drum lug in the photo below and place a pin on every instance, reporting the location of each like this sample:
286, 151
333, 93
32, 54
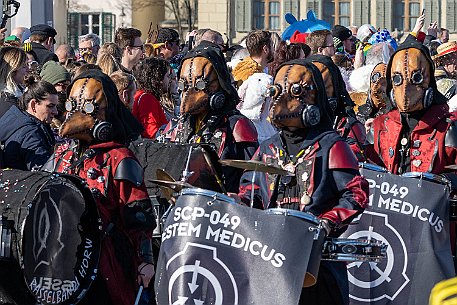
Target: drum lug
316, 231
210, 203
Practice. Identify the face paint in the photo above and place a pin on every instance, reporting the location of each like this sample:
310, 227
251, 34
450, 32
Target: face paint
410, 77
292, 90
85, 106
378, 86
197, 82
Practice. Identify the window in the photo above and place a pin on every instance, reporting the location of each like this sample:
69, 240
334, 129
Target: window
102, 24
267, 15
414, 13
399, 15
345, 13
329, 12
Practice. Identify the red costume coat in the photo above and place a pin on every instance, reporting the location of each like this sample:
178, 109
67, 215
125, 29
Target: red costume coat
111, 195
431, 148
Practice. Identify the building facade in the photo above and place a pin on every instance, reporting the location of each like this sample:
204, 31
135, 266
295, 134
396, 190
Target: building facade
238, 17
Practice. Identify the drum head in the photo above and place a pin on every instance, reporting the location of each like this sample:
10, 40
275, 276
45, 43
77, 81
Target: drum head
61, 242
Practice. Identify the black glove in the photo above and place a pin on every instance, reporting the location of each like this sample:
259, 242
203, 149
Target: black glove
327, 225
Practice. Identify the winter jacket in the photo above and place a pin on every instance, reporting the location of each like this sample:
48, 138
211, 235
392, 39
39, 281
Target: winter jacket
42, 54
28, 143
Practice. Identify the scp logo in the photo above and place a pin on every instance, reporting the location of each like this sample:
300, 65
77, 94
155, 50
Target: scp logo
199, 277
374, 281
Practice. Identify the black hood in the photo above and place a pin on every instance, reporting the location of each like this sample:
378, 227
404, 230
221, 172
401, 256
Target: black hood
339, 86
126, 127
327, 115
438, 98
213, 53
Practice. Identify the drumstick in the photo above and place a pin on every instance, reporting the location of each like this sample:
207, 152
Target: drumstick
138, 296
218, 179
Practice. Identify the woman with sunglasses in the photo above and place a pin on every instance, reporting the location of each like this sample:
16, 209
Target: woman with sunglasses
152, 75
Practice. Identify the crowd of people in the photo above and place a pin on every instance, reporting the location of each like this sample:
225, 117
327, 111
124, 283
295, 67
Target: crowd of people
315, 105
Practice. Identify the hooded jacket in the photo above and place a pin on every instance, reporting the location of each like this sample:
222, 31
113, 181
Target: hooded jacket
430, 135
28, 143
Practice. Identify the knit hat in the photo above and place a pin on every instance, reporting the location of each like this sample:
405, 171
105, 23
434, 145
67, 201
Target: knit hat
341, 32
54, 73
339, 46
383, 36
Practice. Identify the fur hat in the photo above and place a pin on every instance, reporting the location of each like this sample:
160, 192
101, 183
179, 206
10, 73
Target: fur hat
253, 94
360, 78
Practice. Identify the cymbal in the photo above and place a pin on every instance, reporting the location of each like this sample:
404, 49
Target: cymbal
177, 186
164, 176
257, 166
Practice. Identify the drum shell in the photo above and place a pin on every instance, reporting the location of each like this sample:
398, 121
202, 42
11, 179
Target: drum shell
316, 248
59, 232
453, 209
210, 197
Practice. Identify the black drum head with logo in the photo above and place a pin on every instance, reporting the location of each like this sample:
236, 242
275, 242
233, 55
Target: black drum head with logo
61, 242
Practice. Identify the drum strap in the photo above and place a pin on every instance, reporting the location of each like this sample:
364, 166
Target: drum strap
88, 154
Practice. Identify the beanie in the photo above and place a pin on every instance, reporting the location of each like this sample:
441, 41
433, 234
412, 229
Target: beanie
341, 32
54, 73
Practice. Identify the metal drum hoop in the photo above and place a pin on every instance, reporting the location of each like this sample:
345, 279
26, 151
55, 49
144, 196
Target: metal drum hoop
289, 212
211, 194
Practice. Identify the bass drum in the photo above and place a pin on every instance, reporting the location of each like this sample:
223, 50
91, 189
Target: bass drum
316, 250
59, 235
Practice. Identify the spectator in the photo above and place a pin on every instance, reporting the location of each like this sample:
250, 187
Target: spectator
22, 33
42, 41
129, 40
89, 45
126, 87
59, 77
13, 68
151, 75
379, 52
286, 52
26, 134
365, 32
344, 35
443, 35
66, 54
447, 58
214, 37
109, 58
321, 42
260, 48
170, 40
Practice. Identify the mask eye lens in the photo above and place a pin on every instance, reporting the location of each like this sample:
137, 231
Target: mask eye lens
69, 105
417, 78
181, 85
296, 90
200, 85
89, 107
375, 77
397, 79
273, 91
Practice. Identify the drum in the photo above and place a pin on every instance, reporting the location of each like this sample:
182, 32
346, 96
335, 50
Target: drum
353, 250
160, 206
58, 233
428, 177
372, 167
316, 250
201, 194
202, 167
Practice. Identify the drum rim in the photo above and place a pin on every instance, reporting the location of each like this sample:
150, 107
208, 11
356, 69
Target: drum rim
295, 213
208, 193
427, 176
373, 167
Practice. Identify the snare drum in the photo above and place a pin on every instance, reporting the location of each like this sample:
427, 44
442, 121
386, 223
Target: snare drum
316, 250
353, 250
428, 177
202, 194
372, 167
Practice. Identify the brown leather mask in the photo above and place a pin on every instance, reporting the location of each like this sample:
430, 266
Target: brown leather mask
410, 77
198, 82
328, 81
86, 112
292, 91
378, 86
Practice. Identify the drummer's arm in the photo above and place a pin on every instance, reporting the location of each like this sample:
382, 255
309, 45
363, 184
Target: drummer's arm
351, 188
